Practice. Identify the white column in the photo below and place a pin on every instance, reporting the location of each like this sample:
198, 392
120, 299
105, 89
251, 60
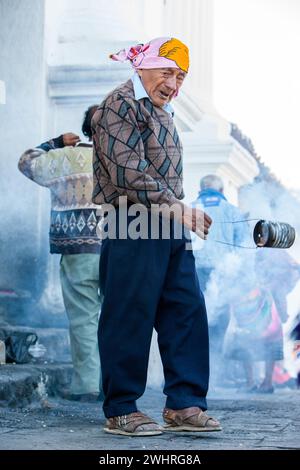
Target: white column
192, 21
80, 36
208, 145
86, 32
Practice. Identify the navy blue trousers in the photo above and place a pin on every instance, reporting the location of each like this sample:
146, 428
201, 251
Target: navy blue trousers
151, 284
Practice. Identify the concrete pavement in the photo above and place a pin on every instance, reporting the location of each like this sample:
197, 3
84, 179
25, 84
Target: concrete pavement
249, 422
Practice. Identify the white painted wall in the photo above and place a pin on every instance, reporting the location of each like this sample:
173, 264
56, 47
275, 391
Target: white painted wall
22, 68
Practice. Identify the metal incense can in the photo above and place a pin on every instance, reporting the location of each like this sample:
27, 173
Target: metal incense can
269, 234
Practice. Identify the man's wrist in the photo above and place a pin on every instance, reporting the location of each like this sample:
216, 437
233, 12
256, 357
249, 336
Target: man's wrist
58, 142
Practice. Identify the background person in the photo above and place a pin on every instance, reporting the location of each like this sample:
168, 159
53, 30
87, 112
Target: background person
217, 264
67, 171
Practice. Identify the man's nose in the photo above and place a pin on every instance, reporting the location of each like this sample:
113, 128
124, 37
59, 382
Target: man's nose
171, 83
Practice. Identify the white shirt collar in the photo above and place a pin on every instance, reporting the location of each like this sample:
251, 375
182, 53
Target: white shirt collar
140, 92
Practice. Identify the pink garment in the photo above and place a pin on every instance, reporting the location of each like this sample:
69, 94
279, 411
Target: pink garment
159, 53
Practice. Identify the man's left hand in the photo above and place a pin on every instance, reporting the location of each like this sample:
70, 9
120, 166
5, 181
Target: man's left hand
196, 220
70, 139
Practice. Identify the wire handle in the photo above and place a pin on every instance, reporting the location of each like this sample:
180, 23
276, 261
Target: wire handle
236, 246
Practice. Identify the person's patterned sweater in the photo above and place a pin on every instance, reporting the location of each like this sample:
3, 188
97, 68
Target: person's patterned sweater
137, 151
67, 172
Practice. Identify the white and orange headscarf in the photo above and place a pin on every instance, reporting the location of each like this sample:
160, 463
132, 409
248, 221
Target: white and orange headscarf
158, 53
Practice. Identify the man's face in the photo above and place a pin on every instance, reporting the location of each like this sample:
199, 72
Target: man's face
161, 84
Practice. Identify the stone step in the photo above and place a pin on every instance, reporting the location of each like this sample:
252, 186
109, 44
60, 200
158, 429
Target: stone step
55, 340
20, 384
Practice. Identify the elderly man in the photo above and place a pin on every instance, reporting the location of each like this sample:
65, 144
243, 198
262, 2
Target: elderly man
149, 282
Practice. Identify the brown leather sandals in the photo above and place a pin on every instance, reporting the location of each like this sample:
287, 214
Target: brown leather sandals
133, 424
191, 419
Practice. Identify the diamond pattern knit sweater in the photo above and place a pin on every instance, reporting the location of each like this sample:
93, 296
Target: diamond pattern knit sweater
137, 151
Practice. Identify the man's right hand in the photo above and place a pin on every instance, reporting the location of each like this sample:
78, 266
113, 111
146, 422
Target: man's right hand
70, 139
197, 221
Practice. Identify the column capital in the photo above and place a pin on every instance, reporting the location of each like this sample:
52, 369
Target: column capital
75, 83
